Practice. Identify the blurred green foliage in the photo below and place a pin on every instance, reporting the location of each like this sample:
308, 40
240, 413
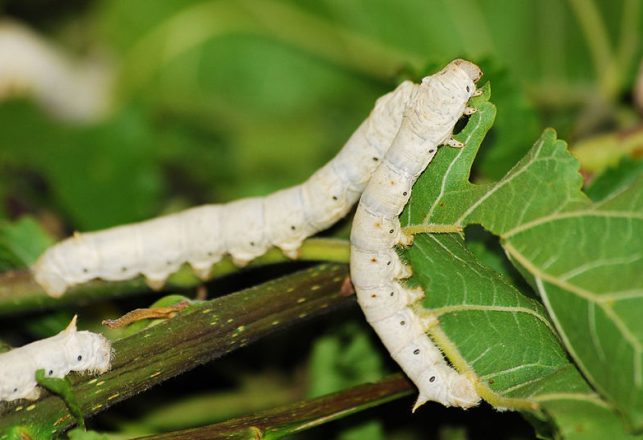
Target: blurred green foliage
221, 99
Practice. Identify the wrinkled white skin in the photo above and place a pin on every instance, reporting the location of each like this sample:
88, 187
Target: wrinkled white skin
69, 350
71, 90
244, 229
376, 269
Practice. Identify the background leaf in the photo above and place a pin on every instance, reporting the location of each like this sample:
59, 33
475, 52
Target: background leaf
21, 242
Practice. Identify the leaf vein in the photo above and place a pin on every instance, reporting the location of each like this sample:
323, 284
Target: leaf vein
598, 263
591, 317
571, 214
515, 369
439, 311
589, 397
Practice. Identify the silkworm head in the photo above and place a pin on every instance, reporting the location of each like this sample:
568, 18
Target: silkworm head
88, 351
47, 273
469, 68
70, 262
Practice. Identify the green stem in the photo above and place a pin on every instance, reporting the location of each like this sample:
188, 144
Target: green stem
199, 334
598, 43
20, 293
291, 419
630, 37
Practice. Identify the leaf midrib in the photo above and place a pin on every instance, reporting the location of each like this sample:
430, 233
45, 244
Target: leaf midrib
440, 311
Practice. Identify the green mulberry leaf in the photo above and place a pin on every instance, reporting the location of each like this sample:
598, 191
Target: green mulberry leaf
584, 259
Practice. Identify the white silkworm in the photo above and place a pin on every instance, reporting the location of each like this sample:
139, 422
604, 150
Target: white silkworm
69, 350
244, 229
376, 268
72, 90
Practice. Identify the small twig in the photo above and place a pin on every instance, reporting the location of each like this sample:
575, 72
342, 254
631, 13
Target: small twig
593, 27
432, 229
148, 313
300, 416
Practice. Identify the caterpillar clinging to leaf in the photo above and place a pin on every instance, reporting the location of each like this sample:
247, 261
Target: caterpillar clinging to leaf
376, 269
